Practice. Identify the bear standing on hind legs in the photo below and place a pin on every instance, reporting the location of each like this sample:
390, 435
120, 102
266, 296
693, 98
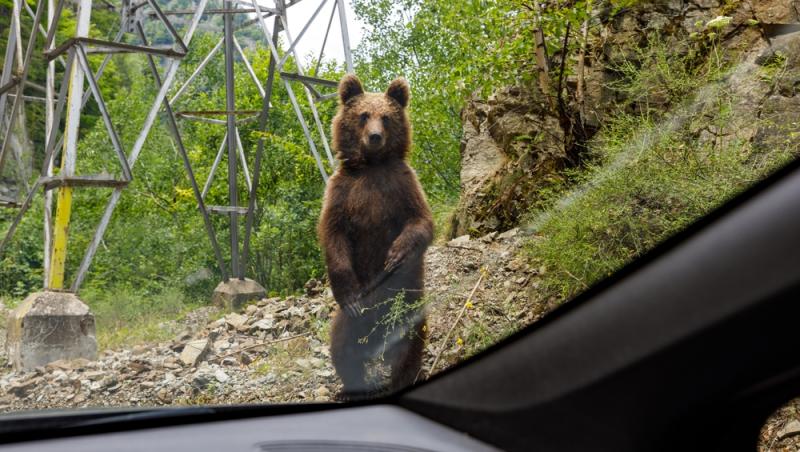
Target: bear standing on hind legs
374, 229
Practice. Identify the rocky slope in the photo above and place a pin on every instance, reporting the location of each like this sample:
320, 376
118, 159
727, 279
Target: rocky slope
276, 350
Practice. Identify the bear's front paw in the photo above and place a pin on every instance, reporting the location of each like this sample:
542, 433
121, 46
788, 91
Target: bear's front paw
353, 309
394, 259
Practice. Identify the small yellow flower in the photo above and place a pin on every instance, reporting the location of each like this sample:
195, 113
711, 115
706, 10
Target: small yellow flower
469, 305
460, 342
184, 192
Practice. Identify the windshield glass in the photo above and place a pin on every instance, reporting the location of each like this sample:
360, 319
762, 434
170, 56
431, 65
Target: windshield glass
218, 202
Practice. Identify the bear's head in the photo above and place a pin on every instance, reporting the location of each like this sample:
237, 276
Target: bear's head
371, 127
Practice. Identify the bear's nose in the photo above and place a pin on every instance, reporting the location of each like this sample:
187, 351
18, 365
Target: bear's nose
375, 138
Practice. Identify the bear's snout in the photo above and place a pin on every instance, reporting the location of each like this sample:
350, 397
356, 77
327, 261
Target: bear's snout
374, 136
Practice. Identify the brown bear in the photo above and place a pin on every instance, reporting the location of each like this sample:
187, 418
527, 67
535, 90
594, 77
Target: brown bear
374, 229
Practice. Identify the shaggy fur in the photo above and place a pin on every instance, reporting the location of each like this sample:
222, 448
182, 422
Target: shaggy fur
374, 229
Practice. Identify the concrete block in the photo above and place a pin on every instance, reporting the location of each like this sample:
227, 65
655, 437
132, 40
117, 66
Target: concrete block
234, 293
50, 326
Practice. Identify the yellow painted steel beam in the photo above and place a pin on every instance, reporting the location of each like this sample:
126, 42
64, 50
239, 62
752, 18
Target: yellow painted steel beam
69, 153
64, 200
60, 230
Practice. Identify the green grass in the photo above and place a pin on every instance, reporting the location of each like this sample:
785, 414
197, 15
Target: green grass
282, 356
321, 329
650, 179
124, 318
401, 318
773, 68
663, 73
443, 218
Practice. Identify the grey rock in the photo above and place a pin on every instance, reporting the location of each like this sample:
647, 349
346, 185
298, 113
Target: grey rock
513, 144
200, 381
459, 241
221, 376
790, 429
194, 351
23, 388
236, 321
265, 324
511, 233
183, 336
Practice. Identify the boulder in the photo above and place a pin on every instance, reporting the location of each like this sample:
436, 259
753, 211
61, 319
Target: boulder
194, 351
513, 144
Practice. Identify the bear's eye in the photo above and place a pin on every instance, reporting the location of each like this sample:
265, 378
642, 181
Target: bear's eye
364, 117
385, 119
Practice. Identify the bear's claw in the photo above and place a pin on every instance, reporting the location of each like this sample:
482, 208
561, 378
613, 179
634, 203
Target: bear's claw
393, 261
353, 309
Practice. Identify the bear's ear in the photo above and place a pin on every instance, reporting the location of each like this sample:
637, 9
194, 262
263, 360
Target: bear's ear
349, 87
399, 91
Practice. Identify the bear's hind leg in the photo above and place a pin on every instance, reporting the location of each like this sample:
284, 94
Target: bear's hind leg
349, 357
406, 358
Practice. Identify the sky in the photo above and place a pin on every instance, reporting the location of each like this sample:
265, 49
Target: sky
311, 42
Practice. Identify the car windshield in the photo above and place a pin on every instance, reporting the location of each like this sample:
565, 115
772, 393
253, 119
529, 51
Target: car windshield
231, 202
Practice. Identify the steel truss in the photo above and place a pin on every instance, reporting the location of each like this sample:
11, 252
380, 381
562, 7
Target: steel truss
72, 55
231, 143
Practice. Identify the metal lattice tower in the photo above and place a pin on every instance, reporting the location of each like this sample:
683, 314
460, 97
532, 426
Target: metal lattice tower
163, 61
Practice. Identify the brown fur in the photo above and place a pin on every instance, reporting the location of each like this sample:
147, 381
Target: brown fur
374, 219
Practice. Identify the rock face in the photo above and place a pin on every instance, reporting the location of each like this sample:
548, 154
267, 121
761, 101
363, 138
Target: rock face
514, 143
50, 326
777, 11
778, 109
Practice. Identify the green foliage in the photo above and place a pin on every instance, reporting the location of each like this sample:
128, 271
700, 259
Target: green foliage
21, 266
400, 318
445, 58
124, 317
658, 75
773, 68
156, 238
443, 217
619, 5
450, 51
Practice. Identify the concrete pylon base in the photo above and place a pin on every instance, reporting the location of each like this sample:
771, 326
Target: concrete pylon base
234, 293
49, 326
